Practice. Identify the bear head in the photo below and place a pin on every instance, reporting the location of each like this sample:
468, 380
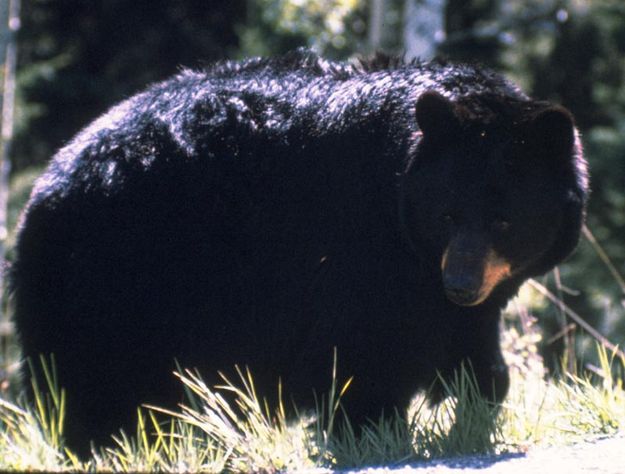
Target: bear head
495, 190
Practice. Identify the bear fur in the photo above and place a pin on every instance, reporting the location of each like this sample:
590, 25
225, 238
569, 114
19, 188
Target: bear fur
265, 212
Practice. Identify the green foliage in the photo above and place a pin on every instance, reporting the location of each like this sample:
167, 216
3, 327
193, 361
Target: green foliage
331, 27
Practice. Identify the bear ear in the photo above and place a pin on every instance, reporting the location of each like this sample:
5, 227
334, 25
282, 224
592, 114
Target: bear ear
553, 132
436, 114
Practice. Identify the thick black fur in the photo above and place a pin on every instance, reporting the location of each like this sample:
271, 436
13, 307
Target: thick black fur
264, 212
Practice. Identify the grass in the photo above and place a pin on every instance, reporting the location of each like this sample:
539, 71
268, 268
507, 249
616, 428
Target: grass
574, 408
230, 429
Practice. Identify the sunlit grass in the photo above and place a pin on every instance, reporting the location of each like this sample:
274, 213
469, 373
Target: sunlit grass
238, 424
24, 445
572, 408
231, 429
31, 438
173, 446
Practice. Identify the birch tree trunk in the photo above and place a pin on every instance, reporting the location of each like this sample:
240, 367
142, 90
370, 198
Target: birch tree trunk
424, 27
10, 23
376, 23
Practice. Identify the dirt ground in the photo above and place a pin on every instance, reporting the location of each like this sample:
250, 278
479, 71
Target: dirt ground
604, 456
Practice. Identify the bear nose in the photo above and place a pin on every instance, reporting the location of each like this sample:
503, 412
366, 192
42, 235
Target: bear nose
462, 294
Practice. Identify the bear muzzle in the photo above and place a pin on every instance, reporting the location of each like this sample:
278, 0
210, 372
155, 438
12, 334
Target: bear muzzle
470, 276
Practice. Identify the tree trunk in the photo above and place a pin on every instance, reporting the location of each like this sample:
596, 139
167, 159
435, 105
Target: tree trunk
376, 23
9, 24
423, 27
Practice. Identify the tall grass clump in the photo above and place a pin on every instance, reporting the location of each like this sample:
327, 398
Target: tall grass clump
573, 407
32, 437
160, 446
235, 420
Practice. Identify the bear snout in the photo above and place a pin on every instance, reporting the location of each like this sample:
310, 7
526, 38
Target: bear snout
460, 293
470, 276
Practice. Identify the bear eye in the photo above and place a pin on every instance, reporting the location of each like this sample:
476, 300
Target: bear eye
501, 225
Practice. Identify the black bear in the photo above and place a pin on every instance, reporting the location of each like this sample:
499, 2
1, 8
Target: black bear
265, 212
